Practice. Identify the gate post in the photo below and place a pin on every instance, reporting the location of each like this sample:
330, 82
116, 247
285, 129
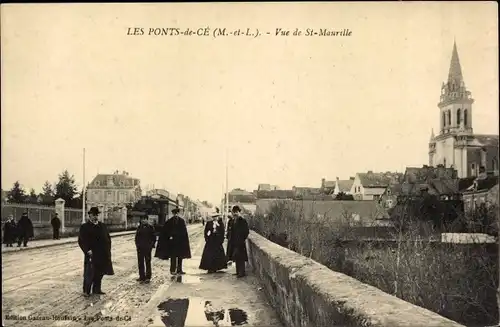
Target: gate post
60, 212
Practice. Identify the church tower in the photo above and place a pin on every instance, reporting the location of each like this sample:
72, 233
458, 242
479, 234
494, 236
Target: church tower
456, 102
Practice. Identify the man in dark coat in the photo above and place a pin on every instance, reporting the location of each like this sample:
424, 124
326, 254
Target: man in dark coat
56, 224
230, 223
24, 230
239, 234
173, 243
145, 239
9, 231
95, 242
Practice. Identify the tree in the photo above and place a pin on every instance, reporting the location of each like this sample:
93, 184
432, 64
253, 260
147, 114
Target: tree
16, 194
32, 198
65, 187
47, 189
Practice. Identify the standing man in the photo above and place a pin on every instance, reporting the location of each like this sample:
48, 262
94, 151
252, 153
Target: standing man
229, 248
173, 243
145, 239
239, 234
95, 242
25, 230
56, 224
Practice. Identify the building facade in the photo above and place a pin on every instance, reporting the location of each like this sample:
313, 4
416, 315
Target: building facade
456, 145
111, 192
371, 186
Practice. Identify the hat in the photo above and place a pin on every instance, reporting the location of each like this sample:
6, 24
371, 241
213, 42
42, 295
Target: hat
94, 211
236, 209
175, 211
25, 214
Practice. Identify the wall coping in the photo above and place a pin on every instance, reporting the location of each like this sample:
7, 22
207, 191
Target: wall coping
368, 303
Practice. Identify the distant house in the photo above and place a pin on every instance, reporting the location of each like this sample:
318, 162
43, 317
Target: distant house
371, 186
437, 181
343, 185
482, 191
241, 196
4, 197
267, 187
113, 191
306, 191
277, 194
327, 187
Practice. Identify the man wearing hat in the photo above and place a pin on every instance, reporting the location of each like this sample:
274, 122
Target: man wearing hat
95, 242
237, 242
24, 230
173, 243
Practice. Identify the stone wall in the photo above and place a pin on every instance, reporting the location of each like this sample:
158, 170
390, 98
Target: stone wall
306, 293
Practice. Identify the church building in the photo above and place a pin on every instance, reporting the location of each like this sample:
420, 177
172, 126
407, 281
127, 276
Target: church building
456, 145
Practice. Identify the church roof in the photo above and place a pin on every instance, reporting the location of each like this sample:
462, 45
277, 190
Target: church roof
487, 139
345, 185
455, 73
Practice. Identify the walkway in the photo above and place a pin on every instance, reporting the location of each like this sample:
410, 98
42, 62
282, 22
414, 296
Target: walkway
46, 283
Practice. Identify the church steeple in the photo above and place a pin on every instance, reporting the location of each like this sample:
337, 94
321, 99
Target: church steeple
455, 102
455, 73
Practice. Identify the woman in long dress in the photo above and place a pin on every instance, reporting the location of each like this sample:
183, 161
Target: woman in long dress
213, 257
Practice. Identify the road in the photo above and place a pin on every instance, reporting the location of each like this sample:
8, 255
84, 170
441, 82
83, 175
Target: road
43, 287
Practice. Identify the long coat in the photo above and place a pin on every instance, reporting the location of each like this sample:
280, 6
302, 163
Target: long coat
173, 241
239, 234
96, 237
145, 237
230, 224
213, 257
9, 232
25, 227
56, 223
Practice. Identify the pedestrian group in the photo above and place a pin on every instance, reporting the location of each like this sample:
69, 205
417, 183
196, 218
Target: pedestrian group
173, 244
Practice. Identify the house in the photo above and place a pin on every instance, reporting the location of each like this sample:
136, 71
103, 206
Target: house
276, 194
306, 191
327, 187
112, 191
438, 181
343, 186
482, 191
241, 196
371, 186
267, 187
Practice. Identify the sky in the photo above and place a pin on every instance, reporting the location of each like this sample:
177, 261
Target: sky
287, 110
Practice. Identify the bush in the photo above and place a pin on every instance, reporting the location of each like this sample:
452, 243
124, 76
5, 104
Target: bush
458, 281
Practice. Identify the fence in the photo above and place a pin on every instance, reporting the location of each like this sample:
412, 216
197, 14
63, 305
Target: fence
72, 217
38, 214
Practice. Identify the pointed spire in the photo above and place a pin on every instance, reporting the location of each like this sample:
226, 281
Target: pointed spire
455, 73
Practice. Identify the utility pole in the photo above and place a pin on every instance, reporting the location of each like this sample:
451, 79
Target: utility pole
83, 190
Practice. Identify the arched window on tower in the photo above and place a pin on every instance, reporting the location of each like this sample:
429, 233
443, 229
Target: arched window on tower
465, 118
444, 119
458, 117
449, 117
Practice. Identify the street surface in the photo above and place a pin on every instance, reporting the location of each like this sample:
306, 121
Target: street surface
43, 287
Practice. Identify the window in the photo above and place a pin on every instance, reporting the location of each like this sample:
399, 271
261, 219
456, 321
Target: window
458, 117
109, 196
389, 203
376, 197
449, 117
465, 118
444, 119
97, 183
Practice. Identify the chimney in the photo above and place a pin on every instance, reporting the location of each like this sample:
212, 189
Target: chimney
322, 183
337, 178
351, 178
370, 172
